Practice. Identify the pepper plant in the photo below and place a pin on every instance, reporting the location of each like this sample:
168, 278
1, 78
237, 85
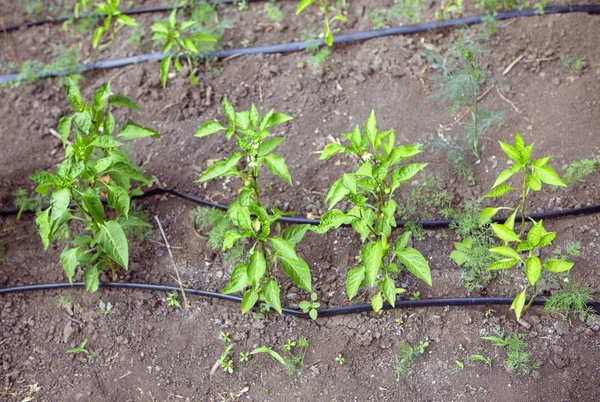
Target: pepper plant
326, 20
176, 45
249, 215
93, 166
370, 189
112, 16
520, 247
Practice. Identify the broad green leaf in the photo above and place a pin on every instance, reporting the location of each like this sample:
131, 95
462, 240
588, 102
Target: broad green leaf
209, 128
302, 5
519, 303
510, 222
542, 161
105, 141
73, 94
354, 279
534, 183
69, 169
416, 264
83, 121
499, 191
91, 278
328, 36
524, 246
271, 352
133, 131
402, 241
503, 264
93, 205
536, 233
365, 170
349, 181
238, 280
330, 220
44, 226
371, 127
200, 37
277, 119
404, 152
294, 267
269, 145
189, 45
547, 175
506, 252
230, 238
126, 20
487, 214
96, 38
278, 167
372, 256
223, 168
533, 269
458, 257
122, 100
377, 302
165, 66
391, 142
64, 129
111, 238
405, 173
295, 234
249, 300
510, 151
59, 201
109, 124
330, 150
388, 288
44, 178
256, 268
504, 233
336, 193
547, 239
68, 259
229, 112
253, 115
270, 291
502, 177
118, 199
519, 143
101, 95
558, 265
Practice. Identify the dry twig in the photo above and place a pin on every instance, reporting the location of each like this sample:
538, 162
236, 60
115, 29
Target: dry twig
162, 232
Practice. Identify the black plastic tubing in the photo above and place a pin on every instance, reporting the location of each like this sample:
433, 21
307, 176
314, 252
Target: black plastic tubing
296, 46
305, 221
329, 312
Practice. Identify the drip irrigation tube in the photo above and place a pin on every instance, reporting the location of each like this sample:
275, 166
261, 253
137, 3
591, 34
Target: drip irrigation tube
133, 11
439, 224
329, 312
296, 46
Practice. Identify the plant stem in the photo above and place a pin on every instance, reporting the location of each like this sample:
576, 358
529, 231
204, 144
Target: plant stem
523, 200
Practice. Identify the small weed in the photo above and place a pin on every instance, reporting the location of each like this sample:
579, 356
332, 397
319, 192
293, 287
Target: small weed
461, 347
326, 8
26, 202
480, 358
244, 357
406, 10
517, 359
576, 63
407, 355
172, 299
294, 354
318, 59
80, 349
225, 361
64, 301
214, 224
31, 8
416, 296
340, 359
577, 171
572, 299
460, 364
310, 306
105, 308
224, 336
273, 12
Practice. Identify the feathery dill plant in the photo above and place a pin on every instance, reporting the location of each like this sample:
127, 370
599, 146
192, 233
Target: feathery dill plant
458, 84
572, 298
517, 356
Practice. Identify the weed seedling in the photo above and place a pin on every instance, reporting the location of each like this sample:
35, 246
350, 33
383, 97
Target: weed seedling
294, 354
407, 356
310, 306
534, 173
25, 202
248, 214
225, 361
273, 12
172, 299
480, 358
577, 64
577, 171
105, 308
516, 349
324, 7
214, 224
177, 46
112, 17
93, 165
244, 357
64, 302
224, 336
573, 298
80, 349
340, 359
370, 189
460, 364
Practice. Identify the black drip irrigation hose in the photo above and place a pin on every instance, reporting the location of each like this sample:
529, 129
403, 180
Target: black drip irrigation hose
440, 224
296, 46
329, 312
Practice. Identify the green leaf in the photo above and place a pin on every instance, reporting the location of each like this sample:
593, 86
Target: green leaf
499, 191
547, 175
253, 116
59, 201
93, 205
44, 226
365, 170
295, 234
209, 128
377, 302
405, 173
91, 278
249, 300
506, 252
487, 214
519, 303
558, 265
354, 279
524, 246
133, 131
64, 129
330, 150
336, 193
118, 199
256, 268
510, 222
165, 66
510, 151
402, 241
270, 291
547, 239
388, 287
533, 269
536, 233
111, 238
109, 124
68, 259
503, 264
458, 256
294, 267
126, 20
371, 127
271, 352
277, 119
230, 238
229, 112
122, 100
101, 95
105, 141
189, 45
96, 39
73, 94
328, 36
404, 152
269, 145
313, 314
502, 177
223, 168
372, 256
504, 233
278, 167
534, 183
416, 264
302, 5
238, 280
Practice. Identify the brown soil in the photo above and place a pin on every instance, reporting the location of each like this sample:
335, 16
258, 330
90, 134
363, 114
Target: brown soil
149, 351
